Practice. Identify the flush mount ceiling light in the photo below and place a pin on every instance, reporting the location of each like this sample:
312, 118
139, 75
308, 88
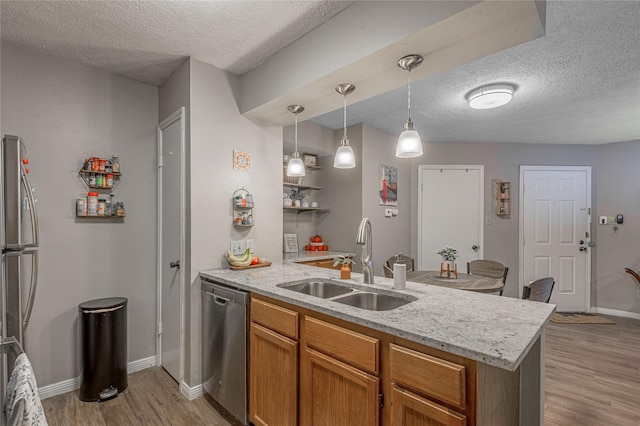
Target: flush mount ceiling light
491, 96
295, 167
409, 144
345, 158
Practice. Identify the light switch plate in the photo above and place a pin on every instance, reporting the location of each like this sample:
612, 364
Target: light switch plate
249, 244
237, 247
387, 213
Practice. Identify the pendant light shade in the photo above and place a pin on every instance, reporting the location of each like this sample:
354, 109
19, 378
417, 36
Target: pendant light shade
409, 143
295, 166
345, 158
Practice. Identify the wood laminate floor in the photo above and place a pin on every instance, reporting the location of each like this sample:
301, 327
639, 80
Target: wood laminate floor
592, 378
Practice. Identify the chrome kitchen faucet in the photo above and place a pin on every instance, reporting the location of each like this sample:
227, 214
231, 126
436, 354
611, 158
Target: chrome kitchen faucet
364, 238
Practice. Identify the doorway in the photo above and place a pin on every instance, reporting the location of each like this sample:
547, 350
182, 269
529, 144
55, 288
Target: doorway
555, 232
450, 213
171, 243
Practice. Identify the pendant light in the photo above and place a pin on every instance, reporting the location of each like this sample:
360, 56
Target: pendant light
345, 158
409, 144
295, 167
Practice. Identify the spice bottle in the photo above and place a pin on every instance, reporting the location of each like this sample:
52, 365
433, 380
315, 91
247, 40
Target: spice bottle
102, 205
92, 203
115, 163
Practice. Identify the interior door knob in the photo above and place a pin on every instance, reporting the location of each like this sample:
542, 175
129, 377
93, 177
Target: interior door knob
475, 247
175, 264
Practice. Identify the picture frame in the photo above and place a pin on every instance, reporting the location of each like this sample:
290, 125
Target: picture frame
290, 243
310, 159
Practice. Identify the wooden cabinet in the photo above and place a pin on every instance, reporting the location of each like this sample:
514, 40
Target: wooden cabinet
421, 384
338, 376
335, 393
503, 197
326, 263
310, 368
273, 365
408, 408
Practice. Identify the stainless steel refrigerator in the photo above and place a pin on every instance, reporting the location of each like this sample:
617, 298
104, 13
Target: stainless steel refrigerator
19, 244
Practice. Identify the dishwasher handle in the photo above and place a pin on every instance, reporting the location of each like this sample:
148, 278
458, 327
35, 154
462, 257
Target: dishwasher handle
219, 300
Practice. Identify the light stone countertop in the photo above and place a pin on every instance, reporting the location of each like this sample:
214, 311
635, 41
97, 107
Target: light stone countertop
495, 330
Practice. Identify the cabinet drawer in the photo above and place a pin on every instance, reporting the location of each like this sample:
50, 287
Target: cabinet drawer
408, 408
435, 377
346, 345
279, 319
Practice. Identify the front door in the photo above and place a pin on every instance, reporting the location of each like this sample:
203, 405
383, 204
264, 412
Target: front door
555, 232
171, 229
450, 210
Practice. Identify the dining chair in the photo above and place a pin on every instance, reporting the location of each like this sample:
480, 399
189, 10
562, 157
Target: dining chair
539, 290
400, 258
388, 272
634, 274
489, 268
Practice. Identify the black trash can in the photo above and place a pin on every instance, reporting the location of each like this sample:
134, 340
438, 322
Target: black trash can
103, 348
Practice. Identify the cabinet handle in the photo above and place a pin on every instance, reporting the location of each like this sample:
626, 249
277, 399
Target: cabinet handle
175, 264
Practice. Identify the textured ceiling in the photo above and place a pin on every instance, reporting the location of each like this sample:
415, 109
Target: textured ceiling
147, 40
579, 84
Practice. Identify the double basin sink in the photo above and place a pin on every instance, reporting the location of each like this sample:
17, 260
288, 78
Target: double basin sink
343, 293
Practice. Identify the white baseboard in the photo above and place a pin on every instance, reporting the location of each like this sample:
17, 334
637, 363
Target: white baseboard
190, 393
615, 313
74, 384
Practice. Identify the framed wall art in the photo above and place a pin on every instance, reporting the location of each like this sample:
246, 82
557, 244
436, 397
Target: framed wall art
388, 193
290, 243
310, 159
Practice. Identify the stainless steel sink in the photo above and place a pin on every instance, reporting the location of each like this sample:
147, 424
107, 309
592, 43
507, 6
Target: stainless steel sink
373, 301
318, 287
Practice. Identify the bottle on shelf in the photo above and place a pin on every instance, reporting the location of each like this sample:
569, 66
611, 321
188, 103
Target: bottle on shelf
115, 163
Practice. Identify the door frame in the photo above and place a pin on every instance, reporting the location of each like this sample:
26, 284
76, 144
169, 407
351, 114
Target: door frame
524, 169
421, 168
178, 115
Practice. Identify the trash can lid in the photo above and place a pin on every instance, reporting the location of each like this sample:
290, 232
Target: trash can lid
106, 303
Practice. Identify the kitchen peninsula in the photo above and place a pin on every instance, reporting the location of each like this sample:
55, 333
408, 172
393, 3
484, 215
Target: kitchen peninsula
449, 356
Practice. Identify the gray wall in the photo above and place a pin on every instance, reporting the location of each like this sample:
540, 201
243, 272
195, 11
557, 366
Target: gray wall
65, 113
353, 194
216, 130
502, 162
342, 195
312, 139
390, 235
618, 190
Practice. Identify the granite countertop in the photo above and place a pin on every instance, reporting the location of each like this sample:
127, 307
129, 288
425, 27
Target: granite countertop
491, 329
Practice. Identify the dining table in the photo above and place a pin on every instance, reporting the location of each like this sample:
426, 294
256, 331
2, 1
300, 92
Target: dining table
470, 282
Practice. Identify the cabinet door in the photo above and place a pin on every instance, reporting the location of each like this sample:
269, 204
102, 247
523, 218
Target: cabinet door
409, 409
273, 378
334, 393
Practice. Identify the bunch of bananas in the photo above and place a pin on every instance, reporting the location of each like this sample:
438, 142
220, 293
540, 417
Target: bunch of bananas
242, 260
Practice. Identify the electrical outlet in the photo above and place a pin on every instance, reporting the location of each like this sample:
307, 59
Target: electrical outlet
237, 247
249, 244
387, 213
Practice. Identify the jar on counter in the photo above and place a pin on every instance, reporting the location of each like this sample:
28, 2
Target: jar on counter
92, 204
102, 206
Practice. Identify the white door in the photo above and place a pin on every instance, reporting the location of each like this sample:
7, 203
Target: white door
555, 230
450, 211
171, 238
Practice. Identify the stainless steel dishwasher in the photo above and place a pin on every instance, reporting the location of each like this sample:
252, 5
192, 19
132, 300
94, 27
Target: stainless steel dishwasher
224, 346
